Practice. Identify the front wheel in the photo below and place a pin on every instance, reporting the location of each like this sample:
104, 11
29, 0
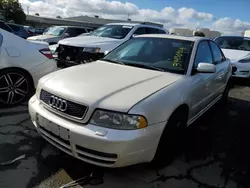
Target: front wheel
15, 87
171, 139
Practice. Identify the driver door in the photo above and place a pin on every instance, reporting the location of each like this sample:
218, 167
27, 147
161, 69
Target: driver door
201, 82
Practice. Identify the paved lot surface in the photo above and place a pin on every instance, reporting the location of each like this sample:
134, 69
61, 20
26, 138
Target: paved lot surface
214, 155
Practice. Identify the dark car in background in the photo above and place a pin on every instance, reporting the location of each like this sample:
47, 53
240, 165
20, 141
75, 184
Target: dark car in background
5, 27
19, 30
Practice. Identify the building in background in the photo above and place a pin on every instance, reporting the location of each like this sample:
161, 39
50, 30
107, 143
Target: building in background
247, 33
84, 21
180, 31
187, 32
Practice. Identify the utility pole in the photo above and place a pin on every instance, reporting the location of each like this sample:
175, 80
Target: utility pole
28, 11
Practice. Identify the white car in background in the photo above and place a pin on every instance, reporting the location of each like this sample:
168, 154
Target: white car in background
87, 48
237, 49
22, 64
131, 106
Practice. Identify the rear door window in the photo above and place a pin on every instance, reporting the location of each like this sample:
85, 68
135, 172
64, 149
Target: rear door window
152, 31
79, 31
140, 31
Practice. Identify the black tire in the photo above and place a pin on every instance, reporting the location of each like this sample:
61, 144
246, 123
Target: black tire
171, 139
16, 87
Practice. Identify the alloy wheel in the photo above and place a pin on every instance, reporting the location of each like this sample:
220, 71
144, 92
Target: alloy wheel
13, 88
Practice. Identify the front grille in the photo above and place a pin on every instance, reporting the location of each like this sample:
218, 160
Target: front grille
73, 109
71, 55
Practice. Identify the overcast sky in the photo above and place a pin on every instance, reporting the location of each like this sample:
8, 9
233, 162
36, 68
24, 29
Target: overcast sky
227, 16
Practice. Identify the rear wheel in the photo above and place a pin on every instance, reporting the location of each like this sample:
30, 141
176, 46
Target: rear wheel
171, 139
15, 87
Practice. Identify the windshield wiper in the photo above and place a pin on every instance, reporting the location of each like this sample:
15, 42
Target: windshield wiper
112, 61
144, 66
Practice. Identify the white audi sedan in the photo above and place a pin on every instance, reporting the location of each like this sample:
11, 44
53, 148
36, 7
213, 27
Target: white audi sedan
133, 105
22, 64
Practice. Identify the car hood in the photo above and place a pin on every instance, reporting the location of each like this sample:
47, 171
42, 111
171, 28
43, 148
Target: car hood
106, 85
235, 55
42, 37
88, 41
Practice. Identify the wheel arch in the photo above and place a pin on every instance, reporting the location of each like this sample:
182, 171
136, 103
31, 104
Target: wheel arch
184, 108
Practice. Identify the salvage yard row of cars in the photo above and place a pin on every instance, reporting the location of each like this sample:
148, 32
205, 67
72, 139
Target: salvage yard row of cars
129, 106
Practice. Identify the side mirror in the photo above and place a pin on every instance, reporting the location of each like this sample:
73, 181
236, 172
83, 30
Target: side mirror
66, 35
106, 52
206, 68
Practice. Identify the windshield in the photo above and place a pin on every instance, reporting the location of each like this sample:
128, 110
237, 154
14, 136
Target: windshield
56, 31
112, 31
170, 55
234, 43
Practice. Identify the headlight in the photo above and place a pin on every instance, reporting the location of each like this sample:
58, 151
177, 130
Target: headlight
91, 50
117, 120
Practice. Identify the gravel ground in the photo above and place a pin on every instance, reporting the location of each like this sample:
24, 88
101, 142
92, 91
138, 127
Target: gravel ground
214, 155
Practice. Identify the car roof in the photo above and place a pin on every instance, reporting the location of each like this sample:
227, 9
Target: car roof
71, 26
167, 36
134, 24
234, 37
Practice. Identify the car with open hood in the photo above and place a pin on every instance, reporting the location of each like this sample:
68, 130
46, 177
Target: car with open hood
237, 49
131, 106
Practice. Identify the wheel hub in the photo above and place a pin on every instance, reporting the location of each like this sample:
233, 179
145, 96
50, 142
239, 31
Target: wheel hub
14, 88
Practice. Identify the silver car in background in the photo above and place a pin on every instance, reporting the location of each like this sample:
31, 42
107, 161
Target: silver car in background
53, 34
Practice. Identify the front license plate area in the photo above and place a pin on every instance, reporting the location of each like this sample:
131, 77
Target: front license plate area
53, 128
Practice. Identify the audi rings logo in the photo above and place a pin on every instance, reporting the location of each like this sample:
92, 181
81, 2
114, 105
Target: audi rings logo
58, 103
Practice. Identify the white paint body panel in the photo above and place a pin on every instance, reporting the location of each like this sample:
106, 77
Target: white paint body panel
20, 53
243, 69
153, 94
104, 43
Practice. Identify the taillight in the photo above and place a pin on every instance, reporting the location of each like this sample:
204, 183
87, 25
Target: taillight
46, 52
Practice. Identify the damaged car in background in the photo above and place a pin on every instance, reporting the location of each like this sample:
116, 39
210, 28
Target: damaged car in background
133, 105
92, 46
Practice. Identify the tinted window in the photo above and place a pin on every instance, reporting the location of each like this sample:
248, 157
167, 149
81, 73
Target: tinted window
218, 56
79, 31
170, 55
71, 31
140, 31
203, 54
235, 43
15, 28
152, 31
161, 31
